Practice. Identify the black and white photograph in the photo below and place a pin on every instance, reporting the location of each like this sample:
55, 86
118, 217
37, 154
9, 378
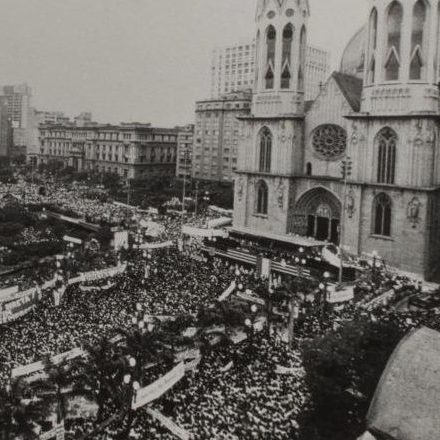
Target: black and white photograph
220, 220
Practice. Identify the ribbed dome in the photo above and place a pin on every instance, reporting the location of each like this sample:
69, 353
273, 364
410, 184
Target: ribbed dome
353, 58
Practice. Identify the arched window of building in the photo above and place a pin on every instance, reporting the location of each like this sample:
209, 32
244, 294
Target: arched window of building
382, 215
265, 150
372, 46
262, 198
418, 43
302, 57
309, 169
392, 56
271, 37
386, 153
286, 56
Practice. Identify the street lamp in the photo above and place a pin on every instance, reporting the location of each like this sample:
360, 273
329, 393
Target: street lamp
323, 286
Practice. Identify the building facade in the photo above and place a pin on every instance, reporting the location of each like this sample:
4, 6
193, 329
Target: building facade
5, 131
134, 151
386, 126
18, 101
216, 136
233, 69
185, 140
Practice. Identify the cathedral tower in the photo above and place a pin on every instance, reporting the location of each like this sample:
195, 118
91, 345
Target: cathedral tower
271, 147
402, 57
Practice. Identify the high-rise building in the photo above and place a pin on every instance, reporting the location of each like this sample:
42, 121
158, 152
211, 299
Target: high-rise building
216, 136
5, 130
18, 99
233, 69
185, 139
132, 150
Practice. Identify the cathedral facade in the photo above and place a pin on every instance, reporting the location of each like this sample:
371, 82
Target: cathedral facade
383, 127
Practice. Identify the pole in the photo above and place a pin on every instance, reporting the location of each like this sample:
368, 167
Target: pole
291, 327
184, 186
197, 198
346, 170
128, 192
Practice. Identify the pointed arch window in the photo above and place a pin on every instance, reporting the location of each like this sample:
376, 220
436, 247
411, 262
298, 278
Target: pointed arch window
386, 151
372, 46
271, 37
262, 198
418, 40
382, 210
302, 58
286, 57
394, 36
265, 150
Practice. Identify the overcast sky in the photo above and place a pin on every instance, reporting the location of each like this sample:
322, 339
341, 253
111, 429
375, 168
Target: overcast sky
138, 60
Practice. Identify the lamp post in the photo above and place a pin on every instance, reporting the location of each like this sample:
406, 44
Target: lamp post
197, 199
293, 306
250, 322
323, 286
346, 172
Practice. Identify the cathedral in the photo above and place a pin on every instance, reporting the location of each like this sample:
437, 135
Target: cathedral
360, 165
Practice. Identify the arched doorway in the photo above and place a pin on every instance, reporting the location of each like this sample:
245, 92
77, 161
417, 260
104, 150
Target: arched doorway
318, 215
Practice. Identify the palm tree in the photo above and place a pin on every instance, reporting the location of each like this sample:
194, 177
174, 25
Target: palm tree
97, 374
58, 387
17, 415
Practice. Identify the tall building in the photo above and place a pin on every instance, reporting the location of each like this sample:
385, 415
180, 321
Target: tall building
216, 136
233, 69
185, 140
289, 185
18, 98
5, 131
132, 150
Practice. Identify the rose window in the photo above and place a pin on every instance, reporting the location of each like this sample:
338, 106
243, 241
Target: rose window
329, 141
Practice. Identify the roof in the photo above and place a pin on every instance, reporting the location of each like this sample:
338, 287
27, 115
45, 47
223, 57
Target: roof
353, 58
406, 403
351, 87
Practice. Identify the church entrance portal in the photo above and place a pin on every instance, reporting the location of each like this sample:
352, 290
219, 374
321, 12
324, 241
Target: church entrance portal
317, 215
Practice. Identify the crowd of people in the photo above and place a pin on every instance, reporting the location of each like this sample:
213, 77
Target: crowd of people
237, 390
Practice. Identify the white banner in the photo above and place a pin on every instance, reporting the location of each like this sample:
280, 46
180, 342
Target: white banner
5, 294
120, 240
169, 424
165, 244
161, 386
340, 296
72, 239
192, 365
219, 222
251, 298
96, 275
200, 232
227, 293
188, 354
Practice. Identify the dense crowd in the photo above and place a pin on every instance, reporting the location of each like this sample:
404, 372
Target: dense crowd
237, 391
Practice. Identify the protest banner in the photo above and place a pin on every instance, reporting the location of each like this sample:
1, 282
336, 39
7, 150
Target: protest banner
169, 424
156, 389
152, 246
227, 293
72, 239
339, 296
227, 367
250, 298
5, 294
120, 240
284, 371
188, 354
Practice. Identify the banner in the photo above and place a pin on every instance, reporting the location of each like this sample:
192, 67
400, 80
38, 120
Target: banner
96, 288
72, 239
5, 294
251, 298
288, 371
227, 367
188, 354
201, 232
146, 246
169, 424
96, 275
340, 296
120, 240
161, 386
227, 293
219, 222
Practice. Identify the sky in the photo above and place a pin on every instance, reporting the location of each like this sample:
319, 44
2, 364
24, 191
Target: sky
138, 60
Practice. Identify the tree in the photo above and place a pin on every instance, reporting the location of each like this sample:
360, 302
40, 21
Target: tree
97, 371
57, 387
17, 414
342, 371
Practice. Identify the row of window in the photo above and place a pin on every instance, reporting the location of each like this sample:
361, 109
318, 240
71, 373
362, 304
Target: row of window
330, 142
286, 61
393, 45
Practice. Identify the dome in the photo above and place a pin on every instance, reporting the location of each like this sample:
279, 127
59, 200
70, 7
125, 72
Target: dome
353, 58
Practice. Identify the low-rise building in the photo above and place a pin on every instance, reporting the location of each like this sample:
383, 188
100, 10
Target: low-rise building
132, 150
